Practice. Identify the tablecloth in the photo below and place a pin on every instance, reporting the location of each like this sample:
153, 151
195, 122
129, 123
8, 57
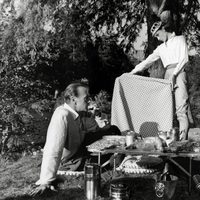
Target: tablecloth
142, 104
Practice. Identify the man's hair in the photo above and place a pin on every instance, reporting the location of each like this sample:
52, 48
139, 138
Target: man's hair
72, 90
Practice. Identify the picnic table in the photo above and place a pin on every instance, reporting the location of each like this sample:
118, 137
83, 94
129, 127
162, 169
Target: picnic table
169, 155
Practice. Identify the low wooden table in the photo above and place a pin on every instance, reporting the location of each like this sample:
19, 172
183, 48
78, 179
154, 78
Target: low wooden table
169, 156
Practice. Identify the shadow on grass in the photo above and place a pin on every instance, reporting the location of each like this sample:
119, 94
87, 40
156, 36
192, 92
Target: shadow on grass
141, 188
66, 194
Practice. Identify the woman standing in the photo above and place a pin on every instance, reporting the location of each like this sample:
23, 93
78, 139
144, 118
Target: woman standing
174, 55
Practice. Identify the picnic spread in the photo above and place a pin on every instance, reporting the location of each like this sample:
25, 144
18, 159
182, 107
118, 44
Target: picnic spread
144, 155
148, 145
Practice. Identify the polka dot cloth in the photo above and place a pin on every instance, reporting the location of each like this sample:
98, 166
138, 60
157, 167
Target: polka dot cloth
142, 104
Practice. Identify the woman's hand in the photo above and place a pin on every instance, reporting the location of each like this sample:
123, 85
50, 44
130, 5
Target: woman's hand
183, 135
134, 71
173, 81
41, 189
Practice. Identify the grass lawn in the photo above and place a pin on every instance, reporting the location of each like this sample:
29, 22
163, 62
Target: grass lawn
16, 179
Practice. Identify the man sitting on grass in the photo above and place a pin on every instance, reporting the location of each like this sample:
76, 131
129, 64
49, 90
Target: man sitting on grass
65, 138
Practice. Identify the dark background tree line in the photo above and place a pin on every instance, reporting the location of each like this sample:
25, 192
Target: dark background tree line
44, 45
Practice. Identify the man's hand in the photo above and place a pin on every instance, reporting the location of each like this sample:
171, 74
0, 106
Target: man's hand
101, 122
41, 189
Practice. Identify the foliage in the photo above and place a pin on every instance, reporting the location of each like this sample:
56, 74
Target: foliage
12, 124
119, 19
103, 102
48, 44
53, 41
193, 72
47, 32
20, 125
112, 62
190, 21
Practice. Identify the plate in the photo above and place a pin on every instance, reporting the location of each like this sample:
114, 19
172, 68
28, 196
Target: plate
114, 137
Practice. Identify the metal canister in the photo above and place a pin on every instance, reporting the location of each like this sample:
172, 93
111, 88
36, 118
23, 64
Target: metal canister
92, 181
129, 138
119, 191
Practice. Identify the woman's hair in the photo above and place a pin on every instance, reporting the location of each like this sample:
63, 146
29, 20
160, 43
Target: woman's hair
169, 27
167, 20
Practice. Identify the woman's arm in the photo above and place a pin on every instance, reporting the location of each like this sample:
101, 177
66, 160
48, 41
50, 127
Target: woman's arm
147, 62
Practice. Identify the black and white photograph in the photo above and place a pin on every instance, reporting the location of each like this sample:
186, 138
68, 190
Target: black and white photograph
100, 99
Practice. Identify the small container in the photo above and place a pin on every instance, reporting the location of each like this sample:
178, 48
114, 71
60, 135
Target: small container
129, 138
119, 191
92, 181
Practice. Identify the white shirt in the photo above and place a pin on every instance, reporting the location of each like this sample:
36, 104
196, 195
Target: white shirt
174, 51
63, 135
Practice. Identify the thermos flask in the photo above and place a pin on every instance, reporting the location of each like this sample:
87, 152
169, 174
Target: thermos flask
92, 181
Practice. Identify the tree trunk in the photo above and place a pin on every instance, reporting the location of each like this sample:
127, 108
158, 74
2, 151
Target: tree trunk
156, 70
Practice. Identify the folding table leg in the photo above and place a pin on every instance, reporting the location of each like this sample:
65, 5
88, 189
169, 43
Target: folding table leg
99, 158
114, 162
180, 167
186, 172
190, 177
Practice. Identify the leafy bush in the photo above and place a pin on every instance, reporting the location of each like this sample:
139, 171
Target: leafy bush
193, 72
20, 125
103, 102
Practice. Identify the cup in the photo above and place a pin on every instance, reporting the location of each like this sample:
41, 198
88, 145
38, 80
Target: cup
129, 138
